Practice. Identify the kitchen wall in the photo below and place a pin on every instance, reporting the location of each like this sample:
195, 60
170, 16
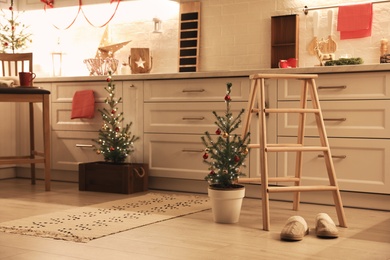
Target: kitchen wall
235, 34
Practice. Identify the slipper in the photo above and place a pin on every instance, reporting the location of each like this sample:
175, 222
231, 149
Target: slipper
295, 229
325, 227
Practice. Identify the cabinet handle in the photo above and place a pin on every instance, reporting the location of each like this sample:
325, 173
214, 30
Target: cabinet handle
193, 118
132, 86
335, 119
332, 87
85, 145
192, 150
334, 156
193, 90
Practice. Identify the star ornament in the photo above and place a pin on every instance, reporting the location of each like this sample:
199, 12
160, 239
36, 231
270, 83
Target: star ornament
140, 63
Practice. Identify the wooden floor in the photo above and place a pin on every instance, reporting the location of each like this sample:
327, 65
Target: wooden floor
194, 236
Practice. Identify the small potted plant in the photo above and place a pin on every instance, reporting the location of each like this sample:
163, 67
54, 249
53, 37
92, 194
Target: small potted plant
225, 158
116, 144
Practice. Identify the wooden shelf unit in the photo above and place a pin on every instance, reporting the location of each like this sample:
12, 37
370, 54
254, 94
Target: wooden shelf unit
189, 35
284, 38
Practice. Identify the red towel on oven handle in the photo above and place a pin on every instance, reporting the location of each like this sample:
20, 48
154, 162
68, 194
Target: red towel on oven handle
83, 104
355, 21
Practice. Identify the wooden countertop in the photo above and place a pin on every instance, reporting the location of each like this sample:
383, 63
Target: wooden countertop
219, 74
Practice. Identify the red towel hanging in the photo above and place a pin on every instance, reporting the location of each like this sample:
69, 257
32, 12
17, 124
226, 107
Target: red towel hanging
355, 21
83, 104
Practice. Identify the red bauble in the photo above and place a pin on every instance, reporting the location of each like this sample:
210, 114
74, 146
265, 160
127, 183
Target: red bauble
205, 156
116, 129
108, 79
218, 132
113, 111
112, 148
10, 8
227, 98
236, 158
212, 172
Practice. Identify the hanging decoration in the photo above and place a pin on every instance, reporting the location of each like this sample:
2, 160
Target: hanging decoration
50, 4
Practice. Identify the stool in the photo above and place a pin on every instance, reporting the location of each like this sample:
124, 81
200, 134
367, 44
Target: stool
31, 95
257, 94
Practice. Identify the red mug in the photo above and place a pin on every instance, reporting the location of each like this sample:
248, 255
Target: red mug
26, 78
283, 64
292, 62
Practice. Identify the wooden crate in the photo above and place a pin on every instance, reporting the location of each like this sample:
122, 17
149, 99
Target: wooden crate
123, 178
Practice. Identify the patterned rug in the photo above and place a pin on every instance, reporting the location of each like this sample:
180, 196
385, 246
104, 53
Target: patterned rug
87, 223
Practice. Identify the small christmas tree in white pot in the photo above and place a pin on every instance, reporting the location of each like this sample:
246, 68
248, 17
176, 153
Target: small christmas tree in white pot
225, 157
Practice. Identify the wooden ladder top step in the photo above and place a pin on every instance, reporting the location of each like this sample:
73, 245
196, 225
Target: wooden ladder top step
284, 76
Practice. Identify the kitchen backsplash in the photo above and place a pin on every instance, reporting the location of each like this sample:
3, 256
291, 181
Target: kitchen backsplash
235, 35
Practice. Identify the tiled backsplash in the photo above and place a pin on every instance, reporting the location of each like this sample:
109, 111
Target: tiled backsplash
235, 35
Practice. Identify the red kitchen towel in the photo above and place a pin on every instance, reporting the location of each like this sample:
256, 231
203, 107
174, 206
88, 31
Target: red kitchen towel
355, 21
83, 104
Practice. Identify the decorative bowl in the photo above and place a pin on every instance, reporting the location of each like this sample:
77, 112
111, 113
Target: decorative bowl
101, 66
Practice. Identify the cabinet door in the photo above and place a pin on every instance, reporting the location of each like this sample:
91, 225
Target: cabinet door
343, 86
360, 164
133, 112
180, 117
70, 148
175, 156
349, 118
195, 90
8, 130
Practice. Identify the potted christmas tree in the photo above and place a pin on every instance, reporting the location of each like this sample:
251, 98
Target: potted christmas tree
13, 35
225, 158
116, 144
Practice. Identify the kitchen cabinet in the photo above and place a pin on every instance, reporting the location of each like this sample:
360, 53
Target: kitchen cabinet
356, 111
177, 113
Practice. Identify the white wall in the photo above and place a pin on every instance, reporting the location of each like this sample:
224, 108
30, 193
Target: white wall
235, 34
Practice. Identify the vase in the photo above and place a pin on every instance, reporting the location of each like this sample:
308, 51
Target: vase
226, 204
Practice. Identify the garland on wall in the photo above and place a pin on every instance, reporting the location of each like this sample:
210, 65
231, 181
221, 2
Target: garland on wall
50, 4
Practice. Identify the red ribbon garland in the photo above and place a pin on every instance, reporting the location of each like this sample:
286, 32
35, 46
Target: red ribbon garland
50, 4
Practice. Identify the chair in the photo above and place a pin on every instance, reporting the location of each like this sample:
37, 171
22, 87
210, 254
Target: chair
12, 64
257, 94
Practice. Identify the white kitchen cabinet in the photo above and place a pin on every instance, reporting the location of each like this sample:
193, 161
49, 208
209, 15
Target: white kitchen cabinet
356, 111
177, 113
72, 138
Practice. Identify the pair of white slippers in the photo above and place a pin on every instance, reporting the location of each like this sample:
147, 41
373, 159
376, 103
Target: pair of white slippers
296, 228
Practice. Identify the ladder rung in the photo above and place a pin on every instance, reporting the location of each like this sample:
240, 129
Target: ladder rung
271, 179
291, 110
290, 148
296, 149
301, 188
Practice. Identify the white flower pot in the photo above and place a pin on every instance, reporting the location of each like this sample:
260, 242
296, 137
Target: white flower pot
226, 204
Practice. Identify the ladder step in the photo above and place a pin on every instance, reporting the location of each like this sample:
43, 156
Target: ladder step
291, 110
301, 188
290, 148
270, 179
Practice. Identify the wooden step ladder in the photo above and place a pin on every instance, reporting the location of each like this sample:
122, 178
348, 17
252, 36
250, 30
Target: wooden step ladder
257, 94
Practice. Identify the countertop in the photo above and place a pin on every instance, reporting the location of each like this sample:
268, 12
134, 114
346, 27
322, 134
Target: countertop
219, 74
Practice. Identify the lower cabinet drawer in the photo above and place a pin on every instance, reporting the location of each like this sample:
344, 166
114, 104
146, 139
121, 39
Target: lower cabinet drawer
342, 118
69, 148
180, 117
361, 164
175, 156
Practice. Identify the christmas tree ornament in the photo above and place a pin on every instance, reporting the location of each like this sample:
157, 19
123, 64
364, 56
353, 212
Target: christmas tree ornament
218, 132
225, 135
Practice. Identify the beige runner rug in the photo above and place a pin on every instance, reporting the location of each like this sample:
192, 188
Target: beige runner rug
87, 223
